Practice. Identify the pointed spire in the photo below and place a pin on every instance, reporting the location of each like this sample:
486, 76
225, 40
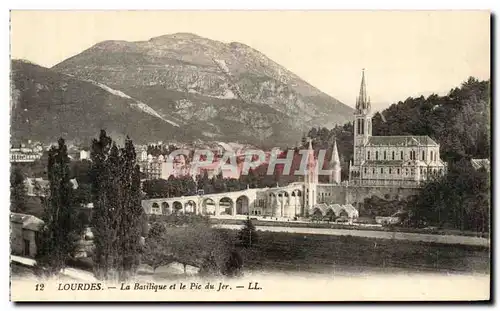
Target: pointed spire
363, 102
335, 154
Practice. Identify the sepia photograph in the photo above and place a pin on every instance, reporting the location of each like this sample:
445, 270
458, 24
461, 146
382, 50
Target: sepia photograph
250, 156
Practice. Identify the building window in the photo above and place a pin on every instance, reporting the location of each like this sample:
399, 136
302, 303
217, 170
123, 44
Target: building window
385, 155
393, 155
362, 126
368, 155
423, 155
432, 155
376, 155
399, 171
390, 170
406, 170
373, 170
365, 170
382, 170
421, 171
401, 155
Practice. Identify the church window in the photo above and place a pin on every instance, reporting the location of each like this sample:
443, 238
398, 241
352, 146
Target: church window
376, 155
373, 170
399, 171
390, 170
368, 155
382, 170
421, 171
385, 155
365, 170
362, 126
393, 155
401, 155
423, 155
432, 155
406, 171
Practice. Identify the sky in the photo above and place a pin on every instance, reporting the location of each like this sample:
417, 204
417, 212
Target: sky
404, 53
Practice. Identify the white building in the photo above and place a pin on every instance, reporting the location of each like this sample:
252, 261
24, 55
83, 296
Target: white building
390, 160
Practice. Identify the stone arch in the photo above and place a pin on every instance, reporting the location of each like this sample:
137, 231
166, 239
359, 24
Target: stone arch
177, 207
330, 214
190, 207
317, 212
242, 205
226, 206
274, 203
155, 208
165, 208
208, 206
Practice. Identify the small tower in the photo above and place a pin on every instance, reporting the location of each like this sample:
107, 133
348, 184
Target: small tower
310, 179
335, 165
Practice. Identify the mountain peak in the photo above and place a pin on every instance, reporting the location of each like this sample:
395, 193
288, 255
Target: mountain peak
177, 35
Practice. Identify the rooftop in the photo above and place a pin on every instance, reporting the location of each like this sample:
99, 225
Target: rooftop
401, 141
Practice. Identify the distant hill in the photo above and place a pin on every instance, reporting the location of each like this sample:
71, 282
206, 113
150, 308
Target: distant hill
212, 90
47, 105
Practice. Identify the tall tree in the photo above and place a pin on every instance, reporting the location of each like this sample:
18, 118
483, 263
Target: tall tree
62, 230
17, 190
118, 216
104, 217
132, 212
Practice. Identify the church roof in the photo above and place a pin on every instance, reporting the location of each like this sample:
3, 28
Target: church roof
383, 162
401, 141
481, 163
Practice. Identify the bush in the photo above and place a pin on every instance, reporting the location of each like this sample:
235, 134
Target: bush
248, 234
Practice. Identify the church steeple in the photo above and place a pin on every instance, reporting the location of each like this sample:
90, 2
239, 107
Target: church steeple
362, 102
335, 154
362, 121
335, 165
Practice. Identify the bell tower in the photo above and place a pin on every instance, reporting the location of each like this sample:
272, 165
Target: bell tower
362, 121
310, 180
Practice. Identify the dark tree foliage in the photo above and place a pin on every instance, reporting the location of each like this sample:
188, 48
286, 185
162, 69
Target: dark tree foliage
118, 215
248, 234
62, 227
17, 190
458, 200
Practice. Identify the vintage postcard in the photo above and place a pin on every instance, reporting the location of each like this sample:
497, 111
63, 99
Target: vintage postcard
250, 156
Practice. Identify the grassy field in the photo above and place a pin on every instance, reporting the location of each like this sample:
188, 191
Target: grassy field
288, 251
258, 222
295, 252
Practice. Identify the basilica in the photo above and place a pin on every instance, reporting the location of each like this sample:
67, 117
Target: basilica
400, 161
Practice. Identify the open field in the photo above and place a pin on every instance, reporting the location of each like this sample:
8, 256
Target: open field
302, 224
339, 254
